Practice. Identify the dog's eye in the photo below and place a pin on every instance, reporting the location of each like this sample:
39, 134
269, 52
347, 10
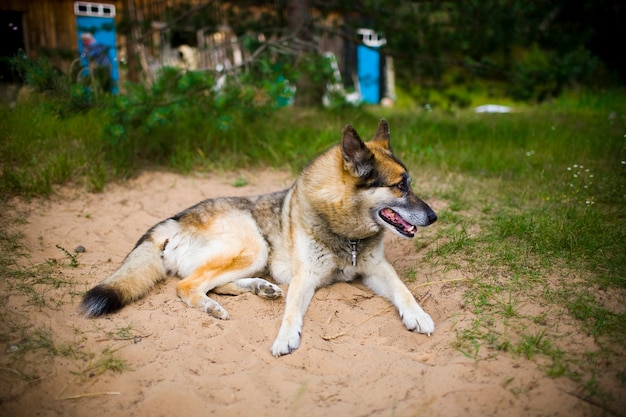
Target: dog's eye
403, 185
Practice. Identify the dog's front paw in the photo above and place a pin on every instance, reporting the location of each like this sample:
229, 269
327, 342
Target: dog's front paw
285, 343
419, 322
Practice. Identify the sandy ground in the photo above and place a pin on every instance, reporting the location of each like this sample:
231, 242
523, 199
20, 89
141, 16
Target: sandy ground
356, 357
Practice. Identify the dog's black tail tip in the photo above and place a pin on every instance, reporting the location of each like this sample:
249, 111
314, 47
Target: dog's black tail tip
100, 300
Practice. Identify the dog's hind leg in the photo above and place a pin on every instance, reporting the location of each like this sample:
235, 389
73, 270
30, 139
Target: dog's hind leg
230, 260
217, 272
258, 286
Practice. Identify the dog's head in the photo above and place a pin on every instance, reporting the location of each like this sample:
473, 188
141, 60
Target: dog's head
383, 182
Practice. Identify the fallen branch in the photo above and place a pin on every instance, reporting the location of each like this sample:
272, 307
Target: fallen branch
88, 394
593, 402
135, 339
445, 281
384, 310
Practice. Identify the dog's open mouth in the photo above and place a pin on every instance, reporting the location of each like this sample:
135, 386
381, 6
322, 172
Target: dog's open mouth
402, 226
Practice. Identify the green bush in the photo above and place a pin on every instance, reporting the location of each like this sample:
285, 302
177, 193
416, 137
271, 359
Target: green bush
533, 76
538, 74
185, 113
62, 93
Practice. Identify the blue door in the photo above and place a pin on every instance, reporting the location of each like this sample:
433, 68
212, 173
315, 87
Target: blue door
368, 65
368, 71
97, 45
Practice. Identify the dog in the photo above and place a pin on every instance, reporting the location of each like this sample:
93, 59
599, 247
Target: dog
327, 227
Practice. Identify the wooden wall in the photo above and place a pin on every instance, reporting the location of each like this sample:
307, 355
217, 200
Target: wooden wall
48, 24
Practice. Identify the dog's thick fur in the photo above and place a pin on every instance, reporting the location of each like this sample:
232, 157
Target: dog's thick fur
327, 227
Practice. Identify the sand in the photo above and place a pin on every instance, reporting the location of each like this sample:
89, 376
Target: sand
356, 358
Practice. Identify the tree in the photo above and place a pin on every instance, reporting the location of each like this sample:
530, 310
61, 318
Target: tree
300, 26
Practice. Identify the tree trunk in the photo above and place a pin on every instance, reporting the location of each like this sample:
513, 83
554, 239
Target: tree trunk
299, 19
300, 25
136, 56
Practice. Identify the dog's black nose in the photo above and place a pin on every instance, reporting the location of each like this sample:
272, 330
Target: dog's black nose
432, 217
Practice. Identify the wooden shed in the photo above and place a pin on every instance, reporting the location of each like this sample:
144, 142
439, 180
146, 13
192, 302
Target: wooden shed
40, 28
48, 28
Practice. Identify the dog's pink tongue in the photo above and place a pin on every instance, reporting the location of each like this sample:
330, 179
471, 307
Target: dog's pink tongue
395, 218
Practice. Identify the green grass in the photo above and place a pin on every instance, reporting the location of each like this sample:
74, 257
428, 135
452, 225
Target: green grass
40, 149
535, 205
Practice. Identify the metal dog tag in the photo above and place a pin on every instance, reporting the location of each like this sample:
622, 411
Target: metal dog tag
353, 246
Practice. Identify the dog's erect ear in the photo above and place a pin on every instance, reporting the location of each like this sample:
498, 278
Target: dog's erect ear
357, 159
382, 134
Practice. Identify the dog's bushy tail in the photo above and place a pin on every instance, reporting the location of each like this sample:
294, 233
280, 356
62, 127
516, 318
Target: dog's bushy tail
138, 274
